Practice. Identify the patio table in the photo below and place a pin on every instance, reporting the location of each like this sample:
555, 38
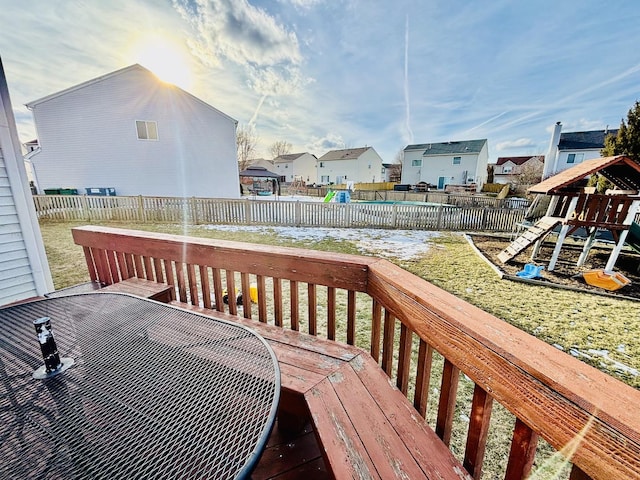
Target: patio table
154, 392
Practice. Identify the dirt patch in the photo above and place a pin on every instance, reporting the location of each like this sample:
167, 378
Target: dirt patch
566, 272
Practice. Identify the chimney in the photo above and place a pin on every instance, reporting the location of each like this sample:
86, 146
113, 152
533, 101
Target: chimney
551, 158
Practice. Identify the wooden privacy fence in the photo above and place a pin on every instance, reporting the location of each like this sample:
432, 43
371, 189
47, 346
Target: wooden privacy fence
273, 212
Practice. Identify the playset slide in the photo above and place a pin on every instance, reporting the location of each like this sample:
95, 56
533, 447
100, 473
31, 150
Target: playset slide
329, 196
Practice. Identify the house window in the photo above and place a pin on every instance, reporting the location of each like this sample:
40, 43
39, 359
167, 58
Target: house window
457, 160
324, 179
286, 166
147, 130
416, 163
321, 164
507, 169
575, 157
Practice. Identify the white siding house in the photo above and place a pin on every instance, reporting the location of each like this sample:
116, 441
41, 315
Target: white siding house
508, 169
131, 131
568, 149
447, 163
296, 166
359, 165
24, 270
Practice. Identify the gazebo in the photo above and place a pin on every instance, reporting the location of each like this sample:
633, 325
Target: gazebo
258, 174
574, 206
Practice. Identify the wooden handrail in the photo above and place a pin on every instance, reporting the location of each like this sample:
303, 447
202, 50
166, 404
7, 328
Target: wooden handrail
551, 394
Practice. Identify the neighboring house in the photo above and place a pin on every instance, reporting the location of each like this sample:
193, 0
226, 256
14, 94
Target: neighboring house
447, 163
31, 145
296, 167
24, 270
359, 165
131, 131
260, 162
570, 148
509, 169
391, 172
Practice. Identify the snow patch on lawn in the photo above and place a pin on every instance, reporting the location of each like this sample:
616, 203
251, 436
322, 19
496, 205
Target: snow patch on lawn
399, 244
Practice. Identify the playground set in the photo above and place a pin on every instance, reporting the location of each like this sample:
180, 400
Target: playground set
573, 206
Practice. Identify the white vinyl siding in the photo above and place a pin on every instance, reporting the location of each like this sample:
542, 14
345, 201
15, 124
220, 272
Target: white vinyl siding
16, 279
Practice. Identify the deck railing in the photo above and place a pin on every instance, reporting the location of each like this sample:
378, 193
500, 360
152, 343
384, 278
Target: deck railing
273, 212
407, 324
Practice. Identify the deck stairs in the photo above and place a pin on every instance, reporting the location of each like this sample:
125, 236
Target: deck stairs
530, 236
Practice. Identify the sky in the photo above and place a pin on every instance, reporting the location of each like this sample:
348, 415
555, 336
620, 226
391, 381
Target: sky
329, 74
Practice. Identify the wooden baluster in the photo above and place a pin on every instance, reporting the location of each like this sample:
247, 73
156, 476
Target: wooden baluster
91, 266
294, 305
217, 289
122, 266
262, 298
113, 265
478, 431
277, 301
387, 342
312, 307
182, 288
139, 268
523, 452
231, 292
148, 269
246, 295
447, 405
102, 266
423, 377
168, 270
206, 287
404, 359
331, 313
131, 268
351, 317
376, 320
193, 285
157, 268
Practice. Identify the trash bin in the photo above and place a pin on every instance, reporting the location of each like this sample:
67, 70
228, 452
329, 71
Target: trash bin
68, 191
52, 191
402, 187
101, 191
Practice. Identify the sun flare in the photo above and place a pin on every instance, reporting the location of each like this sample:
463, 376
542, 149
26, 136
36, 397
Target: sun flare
164, 57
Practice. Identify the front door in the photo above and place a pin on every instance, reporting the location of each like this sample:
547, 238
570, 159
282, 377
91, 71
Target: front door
441, 183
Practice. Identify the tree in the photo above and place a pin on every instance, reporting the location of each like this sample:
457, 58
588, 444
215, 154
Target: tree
395, 169
281, 147
246, 143
627, 141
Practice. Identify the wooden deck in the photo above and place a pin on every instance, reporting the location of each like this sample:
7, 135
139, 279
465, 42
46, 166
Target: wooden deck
374, 400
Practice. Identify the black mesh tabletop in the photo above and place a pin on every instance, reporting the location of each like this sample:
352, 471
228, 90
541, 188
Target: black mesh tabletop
154, 392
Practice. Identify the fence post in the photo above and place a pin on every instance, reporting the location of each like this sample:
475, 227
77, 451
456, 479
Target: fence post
141, 209
247, 212
484, 218
194, 210
394, 215
298, 214
439, 217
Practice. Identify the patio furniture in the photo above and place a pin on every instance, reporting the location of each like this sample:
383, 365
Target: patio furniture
154, 392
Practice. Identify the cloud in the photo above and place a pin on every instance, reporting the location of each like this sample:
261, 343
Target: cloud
302, 4
320, 146
512, 144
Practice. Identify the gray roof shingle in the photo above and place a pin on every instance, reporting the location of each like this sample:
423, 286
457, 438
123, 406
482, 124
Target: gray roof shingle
584, 140
449, 148
346, 154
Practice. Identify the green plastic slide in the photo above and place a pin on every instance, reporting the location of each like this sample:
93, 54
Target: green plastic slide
329, 196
